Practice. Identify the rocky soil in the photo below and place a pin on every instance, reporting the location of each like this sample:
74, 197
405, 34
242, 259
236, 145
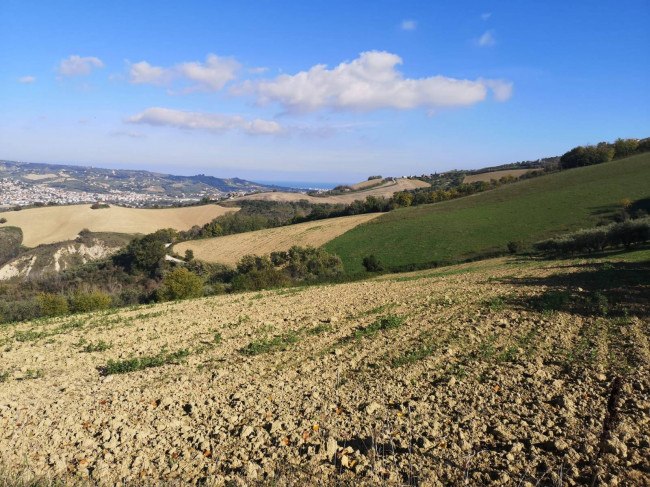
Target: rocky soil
447, 377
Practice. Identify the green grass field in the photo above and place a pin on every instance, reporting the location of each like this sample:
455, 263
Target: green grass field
529, 211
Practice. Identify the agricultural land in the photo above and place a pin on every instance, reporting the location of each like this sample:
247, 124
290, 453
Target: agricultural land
484, 223
58, 223
231, 248
504, 372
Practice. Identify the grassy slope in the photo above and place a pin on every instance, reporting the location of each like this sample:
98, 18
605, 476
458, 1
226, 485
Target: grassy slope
527, 211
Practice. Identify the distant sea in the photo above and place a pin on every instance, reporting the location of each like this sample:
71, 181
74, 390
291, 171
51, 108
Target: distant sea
300, 184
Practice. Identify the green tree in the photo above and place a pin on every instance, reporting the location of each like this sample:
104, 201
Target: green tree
402, 199
182, 284
625, 147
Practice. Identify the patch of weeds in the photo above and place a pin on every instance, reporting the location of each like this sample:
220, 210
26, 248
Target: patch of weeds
526, 341
382, 323
509, 354
29, 335
413, 356
486, 349
100, 346
317, 330
240, 320
146, 362
4, 377
33, 374
265, 345
551, 301
217, 337
458, 371
495, 303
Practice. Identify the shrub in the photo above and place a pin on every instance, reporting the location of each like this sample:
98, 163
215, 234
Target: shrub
372, 264
53, 304
81, 302
182, 284
515, 246
3, 220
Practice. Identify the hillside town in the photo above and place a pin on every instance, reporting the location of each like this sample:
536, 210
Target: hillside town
17, 193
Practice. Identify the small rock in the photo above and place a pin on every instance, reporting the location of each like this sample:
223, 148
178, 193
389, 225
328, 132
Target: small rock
247, 431
331, 448
372, 407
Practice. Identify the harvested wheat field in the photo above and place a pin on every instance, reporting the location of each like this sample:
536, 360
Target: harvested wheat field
231, 248
385, 190
487, 176
492, 373
58, 223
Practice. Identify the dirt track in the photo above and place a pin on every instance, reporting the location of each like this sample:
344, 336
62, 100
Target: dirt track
421, 379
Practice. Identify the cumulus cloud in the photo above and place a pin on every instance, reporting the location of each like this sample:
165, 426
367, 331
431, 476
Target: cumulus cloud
213, 122
486, 15
143, 72
487, 39
211, 75
27, 79
408, 25
368, 83
79, 66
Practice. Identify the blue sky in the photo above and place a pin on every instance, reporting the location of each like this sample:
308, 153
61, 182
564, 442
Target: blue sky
318, 91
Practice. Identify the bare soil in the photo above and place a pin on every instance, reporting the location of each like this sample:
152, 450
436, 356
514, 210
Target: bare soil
441, 377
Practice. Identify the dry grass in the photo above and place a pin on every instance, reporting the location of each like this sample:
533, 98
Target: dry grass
486, 176
59, 223
384, 190
230, 249
38, 177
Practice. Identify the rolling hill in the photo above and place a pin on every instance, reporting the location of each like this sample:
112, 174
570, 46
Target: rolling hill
468, 227
59, 223
231, 248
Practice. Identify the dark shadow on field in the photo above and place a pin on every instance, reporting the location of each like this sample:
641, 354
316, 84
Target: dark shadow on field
599, 288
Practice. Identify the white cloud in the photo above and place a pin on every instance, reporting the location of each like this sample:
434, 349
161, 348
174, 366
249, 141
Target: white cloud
125, 133
143, 72
213, 122
27, 79
487, 39
408, 25
209, 76
501, 89
486, 15
77, 66
258, 70
370, 82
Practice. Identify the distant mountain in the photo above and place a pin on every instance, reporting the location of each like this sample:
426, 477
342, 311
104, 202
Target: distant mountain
66, 183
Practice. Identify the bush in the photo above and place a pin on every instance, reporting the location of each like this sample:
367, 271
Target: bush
372, 264
626, 233
3, 220
53, 304
515, 246
182, 284
81, 302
